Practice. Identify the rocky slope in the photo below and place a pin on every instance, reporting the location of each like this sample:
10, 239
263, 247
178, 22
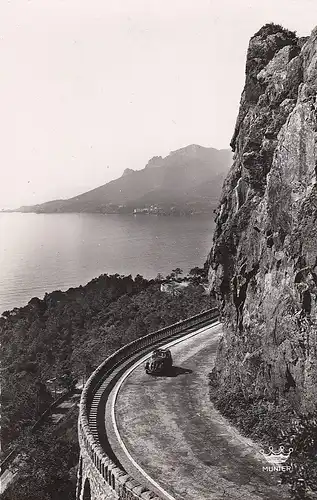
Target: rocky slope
263, 264
189, 178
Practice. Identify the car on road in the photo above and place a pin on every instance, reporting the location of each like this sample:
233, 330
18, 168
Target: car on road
160, 362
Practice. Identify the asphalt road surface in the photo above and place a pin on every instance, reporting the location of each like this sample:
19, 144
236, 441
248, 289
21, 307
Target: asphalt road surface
172, 431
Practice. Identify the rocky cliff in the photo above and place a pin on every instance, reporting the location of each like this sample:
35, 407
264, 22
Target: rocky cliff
263, 264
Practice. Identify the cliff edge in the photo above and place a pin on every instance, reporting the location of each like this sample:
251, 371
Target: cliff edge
263, 264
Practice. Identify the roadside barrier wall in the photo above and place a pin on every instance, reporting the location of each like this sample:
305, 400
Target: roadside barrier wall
107, 471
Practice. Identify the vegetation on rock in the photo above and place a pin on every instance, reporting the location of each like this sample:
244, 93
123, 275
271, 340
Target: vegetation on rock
273, 28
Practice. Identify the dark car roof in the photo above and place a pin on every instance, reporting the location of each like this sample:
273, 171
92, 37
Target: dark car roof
161, 353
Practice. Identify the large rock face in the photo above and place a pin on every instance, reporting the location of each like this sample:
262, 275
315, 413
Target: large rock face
263, 264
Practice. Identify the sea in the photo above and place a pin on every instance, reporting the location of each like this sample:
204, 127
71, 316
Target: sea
40, 253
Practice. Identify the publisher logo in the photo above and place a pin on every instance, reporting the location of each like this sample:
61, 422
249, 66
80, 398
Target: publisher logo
277, 460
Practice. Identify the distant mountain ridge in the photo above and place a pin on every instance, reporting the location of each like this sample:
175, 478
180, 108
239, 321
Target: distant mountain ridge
188, 180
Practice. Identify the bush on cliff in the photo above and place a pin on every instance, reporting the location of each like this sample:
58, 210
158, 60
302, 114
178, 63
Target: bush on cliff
272, 29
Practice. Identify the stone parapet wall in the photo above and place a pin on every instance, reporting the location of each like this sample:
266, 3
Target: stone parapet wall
107, 479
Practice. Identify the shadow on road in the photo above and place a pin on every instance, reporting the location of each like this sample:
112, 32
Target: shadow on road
175, 371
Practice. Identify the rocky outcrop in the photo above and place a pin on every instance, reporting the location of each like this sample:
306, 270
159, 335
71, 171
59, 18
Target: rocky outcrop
263, 264
128, 171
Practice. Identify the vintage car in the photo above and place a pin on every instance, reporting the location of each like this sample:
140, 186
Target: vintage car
160, 362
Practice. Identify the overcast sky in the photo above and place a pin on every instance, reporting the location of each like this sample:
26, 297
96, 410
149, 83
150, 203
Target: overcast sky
90, 87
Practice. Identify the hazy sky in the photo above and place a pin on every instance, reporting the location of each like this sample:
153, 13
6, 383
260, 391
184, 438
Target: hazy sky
90, 87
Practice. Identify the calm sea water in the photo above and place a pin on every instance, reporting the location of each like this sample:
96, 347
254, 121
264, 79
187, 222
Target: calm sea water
42, 253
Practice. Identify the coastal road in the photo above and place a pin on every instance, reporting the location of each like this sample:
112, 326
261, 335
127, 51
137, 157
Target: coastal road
175, 437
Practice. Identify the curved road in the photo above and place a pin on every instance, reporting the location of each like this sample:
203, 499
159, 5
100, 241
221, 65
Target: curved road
173, 432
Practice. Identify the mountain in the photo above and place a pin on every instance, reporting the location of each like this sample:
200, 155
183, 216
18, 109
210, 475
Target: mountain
187, 180
264, 255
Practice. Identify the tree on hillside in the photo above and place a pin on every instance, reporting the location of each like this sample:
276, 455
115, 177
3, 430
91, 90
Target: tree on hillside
175, 275
46, 470
197, 275
159, 278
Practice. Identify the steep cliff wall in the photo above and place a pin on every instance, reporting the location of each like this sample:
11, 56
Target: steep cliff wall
263, 264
